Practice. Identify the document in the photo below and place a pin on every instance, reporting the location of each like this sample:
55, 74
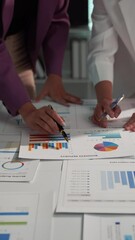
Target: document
98, 186
10, 124
109, 227
25, 216
12, 168
17, 169
9, 145
82, 114
82, 144
18, 212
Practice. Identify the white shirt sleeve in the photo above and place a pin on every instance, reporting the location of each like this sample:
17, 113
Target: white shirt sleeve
102, 46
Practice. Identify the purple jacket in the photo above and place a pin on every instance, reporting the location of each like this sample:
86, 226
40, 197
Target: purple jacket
49, 31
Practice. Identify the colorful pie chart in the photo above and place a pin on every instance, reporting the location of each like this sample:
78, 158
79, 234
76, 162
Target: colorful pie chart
106, 146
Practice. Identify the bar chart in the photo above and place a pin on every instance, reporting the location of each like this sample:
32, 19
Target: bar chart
97, 187
114, 179
17, 216
112, 227
47, 141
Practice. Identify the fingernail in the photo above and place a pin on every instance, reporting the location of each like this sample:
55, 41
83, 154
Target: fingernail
64, 124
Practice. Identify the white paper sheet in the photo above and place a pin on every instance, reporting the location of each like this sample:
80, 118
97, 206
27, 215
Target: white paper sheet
98, 186
83, 144
18, 170
13, 168
109, 227
18, 212
25, 216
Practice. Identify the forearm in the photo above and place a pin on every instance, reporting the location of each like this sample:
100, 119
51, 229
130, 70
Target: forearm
104, 90
26, 109
12, 92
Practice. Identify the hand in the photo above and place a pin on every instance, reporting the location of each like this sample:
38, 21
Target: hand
104, 107
130, 124
42, 120
54, 89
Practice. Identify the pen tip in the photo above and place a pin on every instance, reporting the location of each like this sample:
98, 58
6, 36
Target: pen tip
65, 136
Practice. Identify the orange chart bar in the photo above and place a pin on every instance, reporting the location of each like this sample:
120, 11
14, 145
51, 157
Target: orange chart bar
49, 145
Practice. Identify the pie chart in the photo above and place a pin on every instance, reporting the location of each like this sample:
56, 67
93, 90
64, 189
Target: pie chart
12, 165
106, 146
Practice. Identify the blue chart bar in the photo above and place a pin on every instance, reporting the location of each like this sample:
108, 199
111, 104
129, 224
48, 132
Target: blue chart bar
110, 179
103, 181
4, 236
123, 178
131, 179
128, 237
65, 145
116, 177
36, 145
14, 213
105, 135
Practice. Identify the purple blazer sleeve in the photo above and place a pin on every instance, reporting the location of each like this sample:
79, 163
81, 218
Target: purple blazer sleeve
12, 91
55, 41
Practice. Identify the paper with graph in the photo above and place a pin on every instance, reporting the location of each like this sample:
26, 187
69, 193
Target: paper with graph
18, 212
109, 227
101, 186
12, 168
83, 144
23, 215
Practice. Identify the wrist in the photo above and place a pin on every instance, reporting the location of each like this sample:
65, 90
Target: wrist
54, 77
104, 90
26, 109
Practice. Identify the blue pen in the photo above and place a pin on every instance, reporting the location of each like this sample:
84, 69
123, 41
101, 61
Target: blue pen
113, 105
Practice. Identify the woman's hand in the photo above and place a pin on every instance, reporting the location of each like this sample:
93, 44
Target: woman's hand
54, 89
102, 110
42, 119
130, 124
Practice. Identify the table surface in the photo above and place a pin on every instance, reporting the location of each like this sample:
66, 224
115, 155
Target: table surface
63, 226
47, 179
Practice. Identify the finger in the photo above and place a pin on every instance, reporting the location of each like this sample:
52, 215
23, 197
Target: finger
47, 126
117, 111
73, 99
130, 125
62, 101
98, 113
101, 123
107, 109
55, 117
38, 127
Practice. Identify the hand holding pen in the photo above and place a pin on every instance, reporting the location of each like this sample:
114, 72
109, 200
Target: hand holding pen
60, 127
112, 106
100, 118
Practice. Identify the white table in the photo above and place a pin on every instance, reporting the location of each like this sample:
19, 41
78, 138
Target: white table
47, 179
